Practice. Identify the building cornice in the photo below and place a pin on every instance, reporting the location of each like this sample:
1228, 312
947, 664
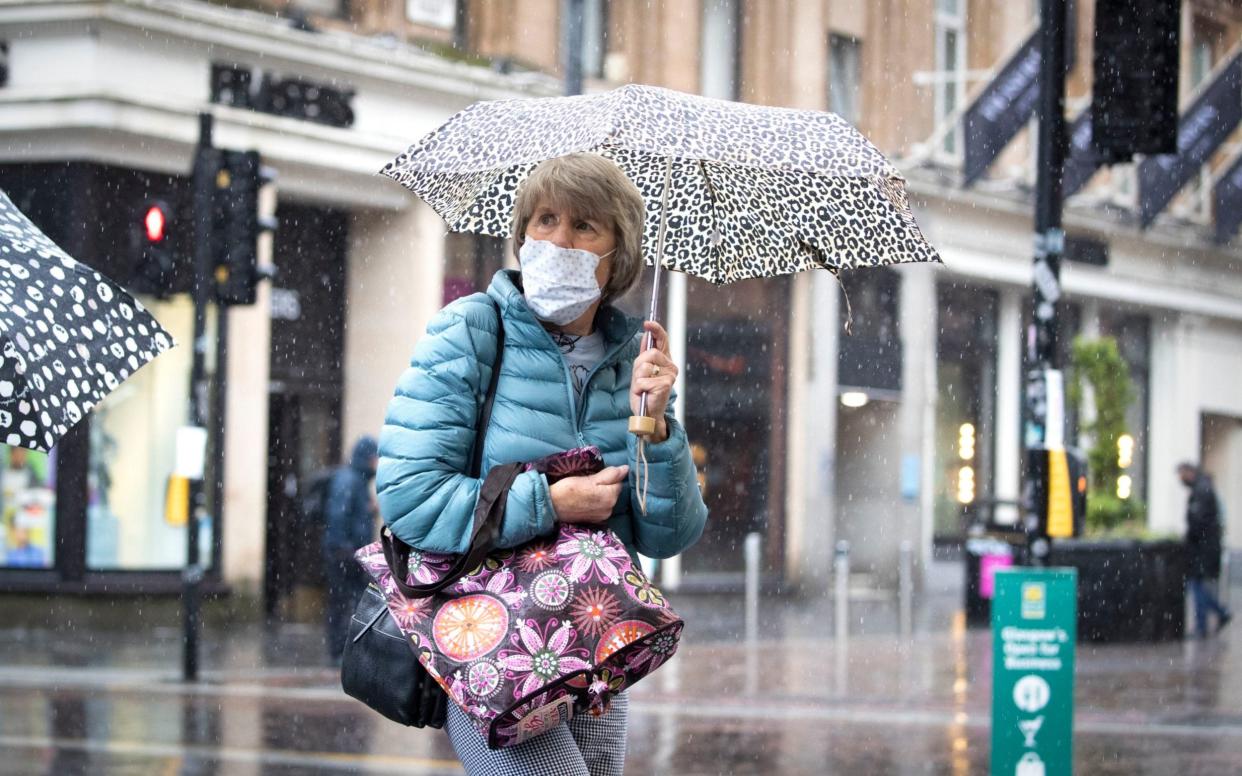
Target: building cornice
262, 36
1111, 223
165, 49
1094, 283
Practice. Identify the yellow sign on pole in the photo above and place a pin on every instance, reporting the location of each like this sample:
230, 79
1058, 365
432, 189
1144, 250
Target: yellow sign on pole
177, 501
1060, 504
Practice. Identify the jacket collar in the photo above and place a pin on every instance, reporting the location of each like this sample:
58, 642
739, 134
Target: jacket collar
506, 289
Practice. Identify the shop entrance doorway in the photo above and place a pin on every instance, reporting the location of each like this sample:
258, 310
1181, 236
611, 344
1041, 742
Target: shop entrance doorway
1222, 460
304, 401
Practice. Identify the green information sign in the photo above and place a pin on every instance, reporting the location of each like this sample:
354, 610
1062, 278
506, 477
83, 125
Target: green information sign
1034, 614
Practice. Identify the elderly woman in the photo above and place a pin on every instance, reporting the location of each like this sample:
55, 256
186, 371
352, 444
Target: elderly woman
571, 375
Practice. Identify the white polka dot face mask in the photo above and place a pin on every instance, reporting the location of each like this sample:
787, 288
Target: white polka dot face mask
559, 283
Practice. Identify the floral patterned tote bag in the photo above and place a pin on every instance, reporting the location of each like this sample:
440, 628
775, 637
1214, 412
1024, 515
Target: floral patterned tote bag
524, 639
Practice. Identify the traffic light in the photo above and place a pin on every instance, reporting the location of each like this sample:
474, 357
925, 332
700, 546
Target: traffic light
154, 258
237, 226
1134, 95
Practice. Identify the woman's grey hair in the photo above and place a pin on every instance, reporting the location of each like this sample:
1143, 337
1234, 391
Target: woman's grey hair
593, 188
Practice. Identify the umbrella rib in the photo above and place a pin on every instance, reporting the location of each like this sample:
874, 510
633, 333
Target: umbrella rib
711, 190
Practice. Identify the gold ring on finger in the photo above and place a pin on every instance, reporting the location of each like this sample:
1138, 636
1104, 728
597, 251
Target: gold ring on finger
655, 370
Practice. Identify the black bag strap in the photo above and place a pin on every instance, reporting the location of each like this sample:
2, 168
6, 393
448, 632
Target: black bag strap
489, 511
489, 515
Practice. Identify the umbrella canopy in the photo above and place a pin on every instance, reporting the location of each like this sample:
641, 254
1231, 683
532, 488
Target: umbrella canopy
68, 335
744, 190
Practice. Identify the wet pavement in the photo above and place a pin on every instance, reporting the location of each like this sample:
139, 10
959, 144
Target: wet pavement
795, 702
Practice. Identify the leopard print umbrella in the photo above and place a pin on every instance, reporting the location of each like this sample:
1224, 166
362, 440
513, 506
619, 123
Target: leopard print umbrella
68, 335
755, 191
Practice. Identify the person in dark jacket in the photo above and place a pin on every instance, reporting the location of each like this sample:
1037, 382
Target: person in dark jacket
1203, 547
349, 519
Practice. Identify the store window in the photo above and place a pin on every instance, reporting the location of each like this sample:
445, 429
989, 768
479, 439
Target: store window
1133, 334
328, 8
441, 14
132, 447
845, 77
1206, 48
470, 261
594, 37
27, 508
966, 407
735, 390
869, 351
950, 91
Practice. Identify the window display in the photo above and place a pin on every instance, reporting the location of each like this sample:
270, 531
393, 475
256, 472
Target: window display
27, 508
132, 448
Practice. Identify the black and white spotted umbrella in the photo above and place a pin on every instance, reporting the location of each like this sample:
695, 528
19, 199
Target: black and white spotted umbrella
732, 190
68, 335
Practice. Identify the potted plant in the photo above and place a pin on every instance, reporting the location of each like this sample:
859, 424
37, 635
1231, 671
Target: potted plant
1130, 582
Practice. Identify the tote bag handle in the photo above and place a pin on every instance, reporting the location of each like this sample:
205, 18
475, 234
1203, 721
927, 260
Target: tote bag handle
489, 511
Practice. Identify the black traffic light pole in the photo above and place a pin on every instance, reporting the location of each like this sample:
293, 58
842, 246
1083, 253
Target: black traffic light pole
206, 164
1049, 245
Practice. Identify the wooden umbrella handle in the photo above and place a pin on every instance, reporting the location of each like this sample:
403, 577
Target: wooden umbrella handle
641, 425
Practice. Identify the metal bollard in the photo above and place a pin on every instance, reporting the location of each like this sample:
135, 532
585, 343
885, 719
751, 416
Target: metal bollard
905, 588
841, 564
751, 554
1222, 583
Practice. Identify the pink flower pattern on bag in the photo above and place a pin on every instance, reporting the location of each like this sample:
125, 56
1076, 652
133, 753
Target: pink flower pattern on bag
500, 584
541, 657
590, 552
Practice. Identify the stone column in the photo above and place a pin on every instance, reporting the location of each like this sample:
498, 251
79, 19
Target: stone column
245, 447
395, 285
812, 431
1175, 421
916, 421
1007, 470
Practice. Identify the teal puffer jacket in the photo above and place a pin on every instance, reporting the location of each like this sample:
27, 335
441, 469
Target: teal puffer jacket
425, 496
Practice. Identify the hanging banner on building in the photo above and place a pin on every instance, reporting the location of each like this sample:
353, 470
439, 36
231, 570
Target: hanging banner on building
1005, 106
1201, 130
1227, 197
1001, 110
1082, 161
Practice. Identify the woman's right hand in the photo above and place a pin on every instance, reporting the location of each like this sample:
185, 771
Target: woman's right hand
588, 499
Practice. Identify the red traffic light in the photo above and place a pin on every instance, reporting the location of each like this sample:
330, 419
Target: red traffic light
155, 223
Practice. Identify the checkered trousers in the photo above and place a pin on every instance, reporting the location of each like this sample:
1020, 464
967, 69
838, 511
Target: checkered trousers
584, 746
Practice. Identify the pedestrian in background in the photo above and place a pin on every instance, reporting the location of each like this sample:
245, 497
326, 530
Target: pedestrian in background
1203, 547
349, 523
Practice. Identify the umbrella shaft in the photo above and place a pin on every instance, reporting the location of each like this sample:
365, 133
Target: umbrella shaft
653, 315
649, 339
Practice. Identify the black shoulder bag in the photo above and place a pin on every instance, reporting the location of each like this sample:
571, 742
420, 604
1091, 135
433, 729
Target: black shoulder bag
379, 666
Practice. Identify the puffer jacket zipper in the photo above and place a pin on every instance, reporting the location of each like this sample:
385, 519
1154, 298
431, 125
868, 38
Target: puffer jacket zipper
579, 408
